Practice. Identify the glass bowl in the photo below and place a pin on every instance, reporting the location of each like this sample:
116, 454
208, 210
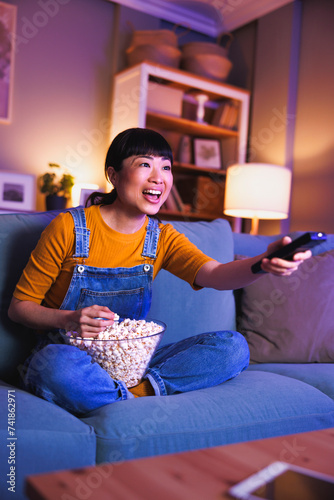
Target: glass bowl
123, 350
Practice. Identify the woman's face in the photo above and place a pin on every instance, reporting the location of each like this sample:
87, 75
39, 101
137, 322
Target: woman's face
143, 184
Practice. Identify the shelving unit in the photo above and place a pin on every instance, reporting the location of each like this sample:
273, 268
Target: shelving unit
189, 127
131, 108
188, 168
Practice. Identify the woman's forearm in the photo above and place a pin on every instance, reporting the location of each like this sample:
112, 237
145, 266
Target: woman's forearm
38, 317
88, 322
230, 276
237, 274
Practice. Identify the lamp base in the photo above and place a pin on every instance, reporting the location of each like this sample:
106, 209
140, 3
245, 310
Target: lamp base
255, 225
237, 225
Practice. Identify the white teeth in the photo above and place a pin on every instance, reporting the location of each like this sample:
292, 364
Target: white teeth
152, 191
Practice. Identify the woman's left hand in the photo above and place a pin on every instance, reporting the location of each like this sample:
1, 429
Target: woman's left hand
281, 267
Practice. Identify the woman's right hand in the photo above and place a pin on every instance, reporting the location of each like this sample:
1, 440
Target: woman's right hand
90, 321
83, 321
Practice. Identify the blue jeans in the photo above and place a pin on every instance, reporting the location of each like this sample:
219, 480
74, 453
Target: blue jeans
65, 375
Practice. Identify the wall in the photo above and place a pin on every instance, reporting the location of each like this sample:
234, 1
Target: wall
313, 188
292, 115
242, 54
62, 89
273, 77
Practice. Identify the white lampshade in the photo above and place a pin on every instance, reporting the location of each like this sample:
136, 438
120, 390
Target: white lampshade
257, 191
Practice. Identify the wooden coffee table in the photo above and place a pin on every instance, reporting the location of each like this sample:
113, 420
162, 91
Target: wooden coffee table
197, 475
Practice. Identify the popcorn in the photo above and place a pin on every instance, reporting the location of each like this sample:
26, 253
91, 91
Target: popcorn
124, 349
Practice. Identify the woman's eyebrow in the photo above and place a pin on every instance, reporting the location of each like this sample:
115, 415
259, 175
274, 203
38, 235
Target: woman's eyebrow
150, 157
138, 157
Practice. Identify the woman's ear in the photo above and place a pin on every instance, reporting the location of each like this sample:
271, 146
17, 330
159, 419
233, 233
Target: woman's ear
111, 175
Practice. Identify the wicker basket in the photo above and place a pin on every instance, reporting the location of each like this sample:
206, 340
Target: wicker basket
154, 37
159, 54
207, 59
197, 48
210, 66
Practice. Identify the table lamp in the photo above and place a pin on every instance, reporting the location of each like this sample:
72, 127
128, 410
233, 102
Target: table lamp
257, 191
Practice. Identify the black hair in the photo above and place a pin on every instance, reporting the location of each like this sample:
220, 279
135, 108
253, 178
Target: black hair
130, 142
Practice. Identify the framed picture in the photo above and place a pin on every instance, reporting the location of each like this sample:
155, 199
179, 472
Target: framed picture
7, 42
84, 194
17, 192
207, 153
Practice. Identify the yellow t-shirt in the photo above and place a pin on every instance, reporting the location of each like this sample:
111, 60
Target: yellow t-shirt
48, 273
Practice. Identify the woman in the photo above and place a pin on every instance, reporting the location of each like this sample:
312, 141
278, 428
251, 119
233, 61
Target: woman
95, 262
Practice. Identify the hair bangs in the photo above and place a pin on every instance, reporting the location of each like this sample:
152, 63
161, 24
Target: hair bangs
148, 142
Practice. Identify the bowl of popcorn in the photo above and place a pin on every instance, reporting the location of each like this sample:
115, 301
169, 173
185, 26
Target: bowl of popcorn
124, 349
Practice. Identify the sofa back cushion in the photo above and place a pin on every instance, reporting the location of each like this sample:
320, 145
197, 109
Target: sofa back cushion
188, 312
249, 245
291, 319
19, 234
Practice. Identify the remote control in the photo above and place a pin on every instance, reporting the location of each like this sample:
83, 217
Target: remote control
301, 244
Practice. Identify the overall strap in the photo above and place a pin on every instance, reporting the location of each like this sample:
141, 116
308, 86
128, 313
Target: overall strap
82, 233
151, 239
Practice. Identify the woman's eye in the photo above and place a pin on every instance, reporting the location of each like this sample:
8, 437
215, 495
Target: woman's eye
167, 167
145, 165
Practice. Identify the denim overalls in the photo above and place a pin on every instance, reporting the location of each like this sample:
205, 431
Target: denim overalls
65, 375
126, 291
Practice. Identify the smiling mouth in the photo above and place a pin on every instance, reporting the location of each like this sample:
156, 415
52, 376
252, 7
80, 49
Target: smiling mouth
152, 194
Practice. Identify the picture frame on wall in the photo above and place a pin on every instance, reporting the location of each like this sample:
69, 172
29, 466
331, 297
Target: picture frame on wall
207, 153
7, 51
84, 195
17, 192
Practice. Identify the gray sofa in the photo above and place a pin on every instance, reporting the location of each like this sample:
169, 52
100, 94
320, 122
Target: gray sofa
288, 388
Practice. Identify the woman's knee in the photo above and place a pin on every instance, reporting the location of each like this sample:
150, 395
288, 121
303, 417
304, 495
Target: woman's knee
234, 345
227, 338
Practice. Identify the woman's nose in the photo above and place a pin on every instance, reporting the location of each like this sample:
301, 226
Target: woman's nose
156, 175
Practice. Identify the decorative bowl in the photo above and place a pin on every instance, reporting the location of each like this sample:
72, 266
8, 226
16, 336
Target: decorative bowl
157, 53
195, 48
208, 65
154, 37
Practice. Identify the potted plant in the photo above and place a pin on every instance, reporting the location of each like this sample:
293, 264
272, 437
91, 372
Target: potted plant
56, 187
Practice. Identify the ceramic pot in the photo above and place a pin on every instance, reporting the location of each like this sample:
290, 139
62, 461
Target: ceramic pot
55, 202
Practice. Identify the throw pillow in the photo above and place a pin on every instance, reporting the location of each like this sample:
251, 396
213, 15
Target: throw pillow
291, 319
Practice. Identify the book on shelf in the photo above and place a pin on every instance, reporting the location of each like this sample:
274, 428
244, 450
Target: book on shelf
174, 201
170, 203
177, 198
226, 115
220, 115
209, 196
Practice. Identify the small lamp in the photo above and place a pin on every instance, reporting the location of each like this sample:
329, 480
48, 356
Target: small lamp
257, 191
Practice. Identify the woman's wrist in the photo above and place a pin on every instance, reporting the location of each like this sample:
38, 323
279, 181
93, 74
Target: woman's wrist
66, 320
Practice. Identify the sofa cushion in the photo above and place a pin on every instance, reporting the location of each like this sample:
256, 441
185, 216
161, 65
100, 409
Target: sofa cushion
254, 405
319, 375
249, 245
47, 438
291, 319
186, 311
